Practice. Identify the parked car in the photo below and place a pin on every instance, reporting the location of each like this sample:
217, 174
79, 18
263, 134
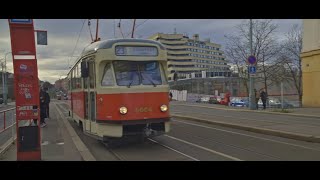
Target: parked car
65, 97
239, 102
213, 100
276, 103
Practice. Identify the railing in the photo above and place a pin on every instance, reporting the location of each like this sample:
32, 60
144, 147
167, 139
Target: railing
7, 122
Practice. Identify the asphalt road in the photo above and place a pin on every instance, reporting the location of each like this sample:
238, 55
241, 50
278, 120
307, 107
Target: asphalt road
193, 141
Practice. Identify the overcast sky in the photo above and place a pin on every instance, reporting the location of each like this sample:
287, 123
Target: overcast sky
54, 59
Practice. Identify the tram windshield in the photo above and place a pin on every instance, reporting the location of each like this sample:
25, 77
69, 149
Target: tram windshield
133, 73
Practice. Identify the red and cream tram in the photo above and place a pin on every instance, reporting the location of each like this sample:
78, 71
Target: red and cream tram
119, 88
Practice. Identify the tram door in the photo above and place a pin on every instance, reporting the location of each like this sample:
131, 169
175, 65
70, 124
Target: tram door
90, 99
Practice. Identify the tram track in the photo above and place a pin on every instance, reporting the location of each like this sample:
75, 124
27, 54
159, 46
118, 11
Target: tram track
149, 150
190, 141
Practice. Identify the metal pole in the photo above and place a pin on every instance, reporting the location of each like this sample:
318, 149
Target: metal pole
5, 97
97, 30
252, 95
134, 24
281, 95
13, 122
114, 28
2, 81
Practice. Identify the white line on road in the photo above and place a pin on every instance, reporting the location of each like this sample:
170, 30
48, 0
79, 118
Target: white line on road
174, 150
247, 135
204, 148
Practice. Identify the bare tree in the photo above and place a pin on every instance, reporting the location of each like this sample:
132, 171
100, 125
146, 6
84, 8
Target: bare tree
265, 49
292, 47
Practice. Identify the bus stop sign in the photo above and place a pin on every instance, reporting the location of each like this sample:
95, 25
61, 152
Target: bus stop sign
26, 86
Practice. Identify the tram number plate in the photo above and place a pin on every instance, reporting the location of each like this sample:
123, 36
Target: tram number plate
144, 109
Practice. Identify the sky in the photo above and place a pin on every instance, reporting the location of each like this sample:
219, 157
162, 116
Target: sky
65, 44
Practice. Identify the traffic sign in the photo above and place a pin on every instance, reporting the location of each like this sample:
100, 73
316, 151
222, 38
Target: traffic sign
252, 60
42, 38
252, 69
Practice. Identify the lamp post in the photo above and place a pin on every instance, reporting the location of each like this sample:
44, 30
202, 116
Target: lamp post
252, 98
3, 91
5, 86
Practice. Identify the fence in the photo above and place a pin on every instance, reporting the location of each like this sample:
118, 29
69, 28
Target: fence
7, 128
179, 95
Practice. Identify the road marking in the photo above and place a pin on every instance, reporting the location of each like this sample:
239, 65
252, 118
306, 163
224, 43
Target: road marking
247, 135
174, 150
204, 148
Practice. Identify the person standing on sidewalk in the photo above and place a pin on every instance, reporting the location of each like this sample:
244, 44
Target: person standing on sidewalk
43, 109
47, 101
263, 96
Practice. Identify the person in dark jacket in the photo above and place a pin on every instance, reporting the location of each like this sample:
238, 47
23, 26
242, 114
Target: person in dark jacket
47, 101
263, 96
43, 108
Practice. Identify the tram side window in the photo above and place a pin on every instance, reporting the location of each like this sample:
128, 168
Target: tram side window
107, 78
79, 83
85, 83
92, 74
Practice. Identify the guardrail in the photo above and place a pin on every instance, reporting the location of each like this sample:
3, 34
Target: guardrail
7, 122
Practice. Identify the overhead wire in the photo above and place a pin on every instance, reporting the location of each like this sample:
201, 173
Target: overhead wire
76, 43
136, 27
119, 26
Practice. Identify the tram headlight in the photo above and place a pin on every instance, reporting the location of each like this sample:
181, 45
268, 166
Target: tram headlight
163, 108
123, 110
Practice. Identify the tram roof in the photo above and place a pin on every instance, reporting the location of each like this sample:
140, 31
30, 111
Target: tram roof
106, 44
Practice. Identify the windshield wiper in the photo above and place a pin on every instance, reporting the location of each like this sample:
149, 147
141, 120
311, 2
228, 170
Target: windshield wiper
154, 85
130, 84
146, 77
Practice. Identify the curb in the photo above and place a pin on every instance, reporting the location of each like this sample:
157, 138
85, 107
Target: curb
246, 110
81, 147
289, 135
6, 146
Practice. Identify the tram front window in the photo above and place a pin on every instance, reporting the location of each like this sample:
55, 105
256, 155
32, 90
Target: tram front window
150, 73
130, 73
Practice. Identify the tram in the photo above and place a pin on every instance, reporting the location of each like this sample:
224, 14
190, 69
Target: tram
118, 88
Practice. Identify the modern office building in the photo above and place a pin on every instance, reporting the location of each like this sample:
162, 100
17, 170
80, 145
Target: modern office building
191, 58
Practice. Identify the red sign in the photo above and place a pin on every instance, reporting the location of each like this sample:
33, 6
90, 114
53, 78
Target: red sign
26, 86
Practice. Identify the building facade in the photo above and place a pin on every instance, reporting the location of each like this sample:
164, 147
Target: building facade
193, 57
310, 58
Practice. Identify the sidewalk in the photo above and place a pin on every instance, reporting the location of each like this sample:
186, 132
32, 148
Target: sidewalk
303, 124
304, 112
57, 144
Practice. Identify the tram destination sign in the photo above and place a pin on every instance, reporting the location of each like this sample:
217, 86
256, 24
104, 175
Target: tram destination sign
136, 51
